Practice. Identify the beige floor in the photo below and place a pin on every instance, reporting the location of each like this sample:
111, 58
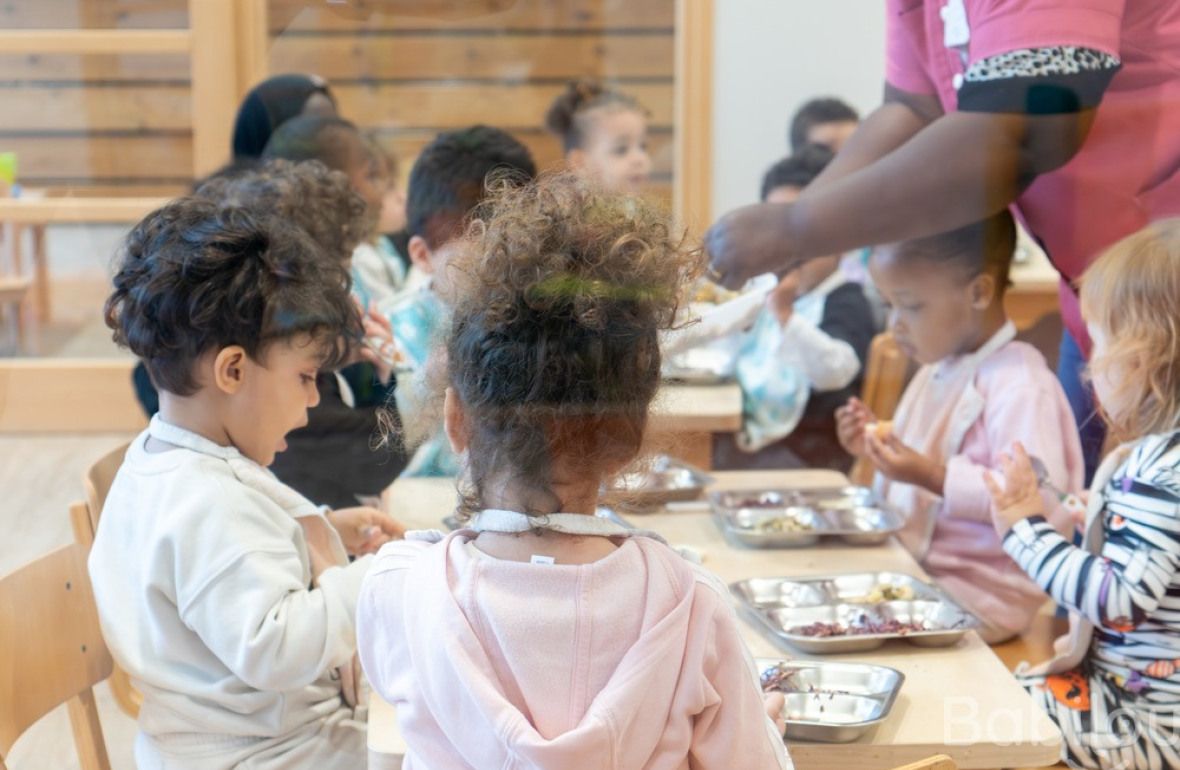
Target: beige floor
39, 478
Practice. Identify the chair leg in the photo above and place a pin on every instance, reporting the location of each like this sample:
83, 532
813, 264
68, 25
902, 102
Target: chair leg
92, 749
41, 274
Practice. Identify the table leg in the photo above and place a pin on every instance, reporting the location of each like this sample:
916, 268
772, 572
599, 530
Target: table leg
41, 273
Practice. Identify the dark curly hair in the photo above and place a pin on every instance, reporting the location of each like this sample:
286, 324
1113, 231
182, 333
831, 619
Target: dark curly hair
986, 246
567, 115
553, 349
308, 195
451, 175
798, 169
198, 275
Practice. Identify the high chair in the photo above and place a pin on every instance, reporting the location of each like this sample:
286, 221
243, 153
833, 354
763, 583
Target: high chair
886, 374
53, 653
97, 482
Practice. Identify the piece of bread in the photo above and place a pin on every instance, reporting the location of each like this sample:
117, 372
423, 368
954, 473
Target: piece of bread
881, 429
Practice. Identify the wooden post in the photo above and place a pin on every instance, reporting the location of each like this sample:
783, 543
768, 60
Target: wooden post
692, 178
214, 81
253, 41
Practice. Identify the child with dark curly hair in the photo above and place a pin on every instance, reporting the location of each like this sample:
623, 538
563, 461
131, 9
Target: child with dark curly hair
226, 594
540, 635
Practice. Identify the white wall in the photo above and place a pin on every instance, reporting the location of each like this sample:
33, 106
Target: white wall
769, 57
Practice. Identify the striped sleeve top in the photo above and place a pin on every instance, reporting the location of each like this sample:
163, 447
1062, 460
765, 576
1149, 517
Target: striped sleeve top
1130, 584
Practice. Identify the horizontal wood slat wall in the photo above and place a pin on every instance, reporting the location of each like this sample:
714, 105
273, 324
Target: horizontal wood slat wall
124, 122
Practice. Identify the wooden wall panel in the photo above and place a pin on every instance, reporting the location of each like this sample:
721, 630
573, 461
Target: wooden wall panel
120, 120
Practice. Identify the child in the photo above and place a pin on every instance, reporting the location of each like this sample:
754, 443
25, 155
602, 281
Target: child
805, 355
272, 103
447, 182
1115, 683
825, 121
538, 636
379, 269
203, 560
978, 391
603, 135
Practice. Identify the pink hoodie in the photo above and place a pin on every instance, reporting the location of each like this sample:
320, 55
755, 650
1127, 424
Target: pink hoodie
633, 661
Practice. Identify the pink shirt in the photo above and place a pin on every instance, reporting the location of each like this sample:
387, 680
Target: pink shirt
632, 661
964, 411
1125, 174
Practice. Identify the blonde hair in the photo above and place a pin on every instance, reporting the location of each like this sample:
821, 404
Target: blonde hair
1132, 293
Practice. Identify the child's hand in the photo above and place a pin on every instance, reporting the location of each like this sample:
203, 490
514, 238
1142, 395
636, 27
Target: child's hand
775, 703
901, 463
364, 529
379, 348
1021, 495
851, 420
782, 299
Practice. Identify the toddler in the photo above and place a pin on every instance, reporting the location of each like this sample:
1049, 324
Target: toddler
978, 391
603, 135
539, 634
1114, 686
225, 594
447, 182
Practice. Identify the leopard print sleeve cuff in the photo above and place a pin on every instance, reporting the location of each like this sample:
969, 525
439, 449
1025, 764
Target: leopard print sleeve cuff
1038, 81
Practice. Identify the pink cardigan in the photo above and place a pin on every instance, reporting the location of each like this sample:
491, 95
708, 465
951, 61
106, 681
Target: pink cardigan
964, 411
633, 661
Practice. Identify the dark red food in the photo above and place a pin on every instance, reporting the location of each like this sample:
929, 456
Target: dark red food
864, 625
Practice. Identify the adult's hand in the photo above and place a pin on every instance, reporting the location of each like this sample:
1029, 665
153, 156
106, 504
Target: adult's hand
751, 241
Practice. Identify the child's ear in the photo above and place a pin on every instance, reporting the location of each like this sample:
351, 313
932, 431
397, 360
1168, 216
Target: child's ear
983, 291
420, 254
455, 422
229, 369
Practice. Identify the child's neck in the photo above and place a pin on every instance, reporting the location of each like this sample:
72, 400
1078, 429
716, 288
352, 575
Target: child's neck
992, 321
194, 414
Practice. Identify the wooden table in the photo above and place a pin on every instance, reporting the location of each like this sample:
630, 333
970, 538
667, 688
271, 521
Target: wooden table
685, 417
959, 700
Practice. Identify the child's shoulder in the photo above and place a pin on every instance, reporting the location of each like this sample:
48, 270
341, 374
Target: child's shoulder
401, 555
1014, 365
1155, 461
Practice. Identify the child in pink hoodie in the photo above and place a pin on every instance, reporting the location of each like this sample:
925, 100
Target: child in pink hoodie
978, 391
540, 636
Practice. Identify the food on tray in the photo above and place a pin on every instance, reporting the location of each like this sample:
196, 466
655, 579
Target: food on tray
864, 625
707, 291
782, 524
884, 592
881, 429
779, 678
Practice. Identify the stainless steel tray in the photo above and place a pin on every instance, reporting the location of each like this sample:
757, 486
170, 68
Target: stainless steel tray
664, 480
786, 518
831, 702
700, 366
796, 611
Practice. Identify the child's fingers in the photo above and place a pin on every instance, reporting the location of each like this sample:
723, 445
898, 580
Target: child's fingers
992, 487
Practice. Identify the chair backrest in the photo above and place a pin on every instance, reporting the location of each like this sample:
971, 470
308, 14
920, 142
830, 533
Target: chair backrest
53, 649
886, 375
97, 481
937, 762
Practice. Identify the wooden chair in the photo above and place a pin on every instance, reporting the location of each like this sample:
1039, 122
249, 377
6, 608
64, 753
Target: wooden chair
937, 762
97, 482
13, 290
886, 375
53, 652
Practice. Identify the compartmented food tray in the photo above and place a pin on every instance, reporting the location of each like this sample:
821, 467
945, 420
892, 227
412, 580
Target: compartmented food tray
791, 518
829, 701
664, 480
852, 613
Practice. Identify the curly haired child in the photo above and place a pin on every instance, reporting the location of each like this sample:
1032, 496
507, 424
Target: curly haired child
552, 362
1114, 687
225, 594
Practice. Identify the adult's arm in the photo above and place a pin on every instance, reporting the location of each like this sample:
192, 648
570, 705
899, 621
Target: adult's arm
959, 168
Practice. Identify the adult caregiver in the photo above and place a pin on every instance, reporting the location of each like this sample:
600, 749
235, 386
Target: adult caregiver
1069, 109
